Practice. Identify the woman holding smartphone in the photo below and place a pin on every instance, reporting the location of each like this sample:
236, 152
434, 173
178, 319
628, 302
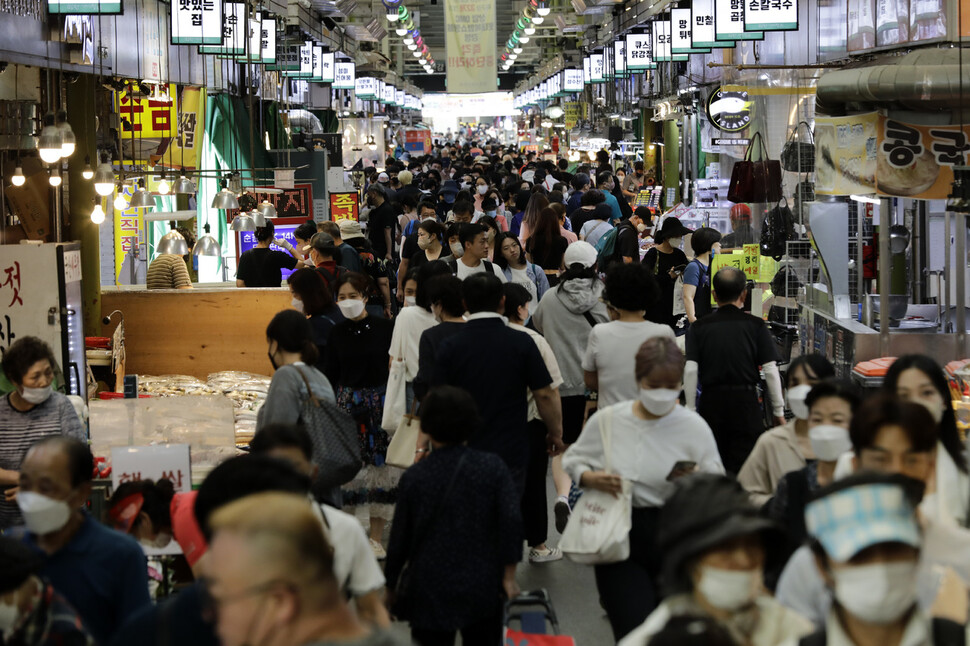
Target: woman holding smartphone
653, 441
666, 261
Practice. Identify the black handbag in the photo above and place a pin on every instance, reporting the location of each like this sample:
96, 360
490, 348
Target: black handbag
776, 230
805, 191
755, 181
799, 156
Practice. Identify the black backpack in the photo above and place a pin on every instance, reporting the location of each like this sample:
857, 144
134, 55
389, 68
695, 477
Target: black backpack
777, 229
453, 265
945, 633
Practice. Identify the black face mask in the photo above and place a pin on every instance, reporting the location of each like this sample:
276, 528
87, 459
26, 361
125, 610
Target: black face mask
272, 360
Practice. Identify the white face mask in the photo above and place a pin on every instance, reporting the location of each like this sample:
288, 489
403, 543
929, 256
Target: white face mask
796, 400
641, 227
457, 250
410, 300
676, 242
297, 304
42, 515
729, 589
659, 401
482, 190
424, 243
829, 441
351, 308
36, 395
9, 615
879, 593
936, 408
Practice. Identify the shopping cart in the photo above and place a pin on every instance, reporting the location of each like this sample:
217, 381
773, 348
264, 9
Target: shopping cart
536, 619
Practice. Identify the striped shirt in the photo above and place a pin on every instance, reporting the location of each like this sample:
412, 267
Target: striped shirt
21, 430
168, 271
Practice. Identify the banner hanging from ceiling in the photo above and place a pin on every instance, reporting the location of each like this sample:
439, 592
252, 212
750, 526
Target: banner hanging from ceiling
470, 43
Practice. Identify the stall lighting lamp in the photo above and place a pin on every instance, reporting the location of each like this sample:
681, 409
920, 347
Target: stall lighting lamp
97, 213
18, 178
544, 8
88, 172
120, 203
55, 178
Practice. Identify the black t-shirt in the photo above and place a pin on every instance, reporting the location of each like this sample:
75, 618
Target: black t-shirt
357, 353
580, 217
627, 242
373, 265
729, 346
419, 257
547, 256
262, 267
410, 246
381, 218
660, 265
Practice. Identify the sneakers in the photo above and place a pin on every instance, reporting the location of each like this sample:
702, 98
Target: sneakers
545, 556
562, 512
379, 552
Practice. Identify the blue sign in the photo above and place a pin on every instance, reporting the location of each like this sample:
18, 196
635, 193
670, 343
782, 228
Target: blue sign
247, 240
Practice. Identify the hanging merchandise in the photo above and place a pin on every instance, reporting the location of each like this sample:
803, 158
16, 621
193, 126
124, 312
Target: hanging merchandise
799, 156
776, 230
756, 181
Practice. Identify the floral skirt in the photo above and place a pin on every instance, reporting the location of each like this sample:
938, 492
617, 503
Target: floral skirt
374, 491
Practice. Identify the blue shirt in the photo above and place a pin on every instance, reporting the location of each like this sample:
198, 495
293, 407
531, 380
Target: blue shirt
515, 226
102, 573
611, 200
574, 202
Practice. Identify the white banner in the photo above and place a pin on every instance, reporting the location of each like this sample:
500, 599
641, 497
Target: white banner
470, 42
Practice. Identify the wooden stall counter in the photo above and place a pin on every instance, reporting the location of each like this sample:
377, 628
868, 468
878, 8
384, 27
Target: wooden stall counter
195, 331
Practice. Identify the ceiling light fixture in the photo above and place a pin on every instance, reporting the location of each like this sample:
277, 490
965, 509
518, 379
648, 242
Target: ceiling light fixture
207, 245
51, 142
225, 200
88, 172
142, 199
18, 178
97, 213
55, 178
104, 180
68, 140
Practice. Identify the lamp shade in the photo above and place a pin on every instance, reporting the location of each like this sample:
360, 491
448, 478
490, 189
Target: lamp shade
266, 209
225, 199
142, 199
258, 219
104, 180
183, 186
243, 222
172, 242
207, 246
50, 143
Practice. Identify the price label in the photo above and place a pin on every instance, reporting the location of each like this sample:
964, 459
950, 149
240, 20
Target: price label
751, 265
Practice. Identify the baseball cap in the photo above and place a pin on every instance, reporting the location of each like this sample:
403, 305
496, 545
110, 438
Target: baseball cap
864, 510
740, 212
321, 242
580, 252
383, 178
349, 229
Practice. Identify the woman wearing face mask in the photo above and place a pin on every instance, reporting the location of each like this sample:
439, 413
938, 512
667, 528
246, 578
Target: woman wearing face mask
511, 260
831, 405
919, 379
312, 297
492, 206
481, 189
546, 245
358, 365
785, 448
715, 546
31, 412
697, 276
654, 440
667, 261
431, 234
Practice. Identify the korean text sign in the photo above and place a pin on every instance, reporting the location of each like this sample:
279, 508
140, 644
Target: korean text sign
470, 43
344, 206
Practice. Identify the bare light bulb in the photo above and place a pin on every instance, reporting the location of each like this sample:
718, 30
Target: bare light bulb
18, 178
163, 187
55, 178
120, 202
97, 214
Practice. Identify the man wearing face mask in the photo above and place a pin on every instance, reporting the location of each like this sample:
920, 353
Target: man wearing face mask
101, 572
31, 412
606, 184
867, 546
31, 612
715, 546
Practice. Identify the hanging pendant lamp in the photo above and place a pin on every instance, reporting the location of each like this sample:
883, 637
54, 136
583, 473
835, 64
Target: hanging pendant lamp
225, 199
207, 245
173, 242
142, 199
243, 222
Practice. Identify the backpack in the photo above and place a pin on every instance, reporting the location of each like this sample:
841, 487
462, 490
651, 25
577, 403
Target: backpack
945, 633
606, 247
777, 229
453, 265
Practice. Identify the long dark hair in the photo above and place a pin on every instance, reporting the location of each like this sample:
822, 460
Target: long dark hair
312, 289
949, 436
291, 331
546, 231
499, 257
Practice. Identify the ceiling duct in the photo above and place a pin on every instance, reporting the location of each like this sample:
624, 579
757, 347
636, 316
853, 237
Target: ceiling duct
924, 80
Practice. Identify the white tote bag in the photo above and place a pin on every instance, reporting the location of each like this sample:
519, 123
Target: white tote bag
395, 397
598, 531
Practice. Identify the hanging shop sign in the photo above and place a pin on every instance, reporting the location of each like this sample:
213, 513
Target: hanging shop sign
316, 65
85, 6
470, 44
729, 110
197, 22
619, 58
586, 71
771, 15
267, 41
234, 34
326, 67
729, 21
345, 206
572, 80
254, 39
184, 148
388, 93
146, 116
555, 84
596, 69
702, 26
845, 154
365, 87
293, 202
129, 233
572, 114
661, 43
400, 99
918, 161
680, 33
639, 52
343, 76
287, 59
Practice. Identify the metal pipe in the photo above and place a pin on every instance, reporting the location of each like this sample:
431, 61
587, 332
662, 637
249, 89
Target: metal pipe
739, 67
961, 268
885, 218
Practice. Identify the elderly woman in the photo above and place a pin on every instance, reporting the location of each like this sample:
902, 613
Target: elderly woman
654, 440
30, 413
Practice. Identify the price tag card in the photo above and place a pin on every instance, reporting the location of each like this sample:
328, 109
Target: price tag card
751, 266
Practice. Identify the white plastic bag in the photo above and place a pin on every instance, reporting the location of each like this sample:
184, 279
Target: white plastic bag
395, 397
598, 531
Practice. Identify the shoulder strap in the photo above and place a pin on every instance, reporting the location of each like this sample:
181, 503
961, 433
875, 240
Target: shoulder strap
312, 398
606, 432
588, 315
488, 267
818, 638
948, 633
452, 264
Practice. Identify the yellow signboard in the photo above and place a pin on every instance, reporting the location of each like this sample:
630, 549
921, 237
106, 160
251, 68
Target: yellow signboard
185, 146
572, 114
146, 116
128, 224
752, 261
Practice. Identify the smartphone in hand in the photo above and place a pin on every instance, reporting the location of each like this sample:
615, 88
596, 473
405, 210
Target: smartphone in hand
681, 468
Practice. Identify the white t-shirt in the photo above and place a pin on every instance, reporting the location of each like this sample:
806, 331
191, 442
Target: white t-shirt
354, 563
611, 353
464, 271
644, 451
598, 228
410, 323
521, 277
548, 357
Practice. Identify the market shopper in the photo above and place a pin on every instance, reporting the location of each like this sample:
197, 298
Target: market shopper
381, 222
606, 183
724, 354
34, 614
29, 413
323, 256
456, 497
372, 265
609, 361
313, 297
500, 378
357, 364
168, 271
448, 308
786, 448
653, 441
667, 262
580, 183
919, 379
565, 317
597, 225
348, 259
100, 572
535, 511
262, 266
715, 547
270, 575
697, 275
742, 232
429, 239
511, 259
473, 259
